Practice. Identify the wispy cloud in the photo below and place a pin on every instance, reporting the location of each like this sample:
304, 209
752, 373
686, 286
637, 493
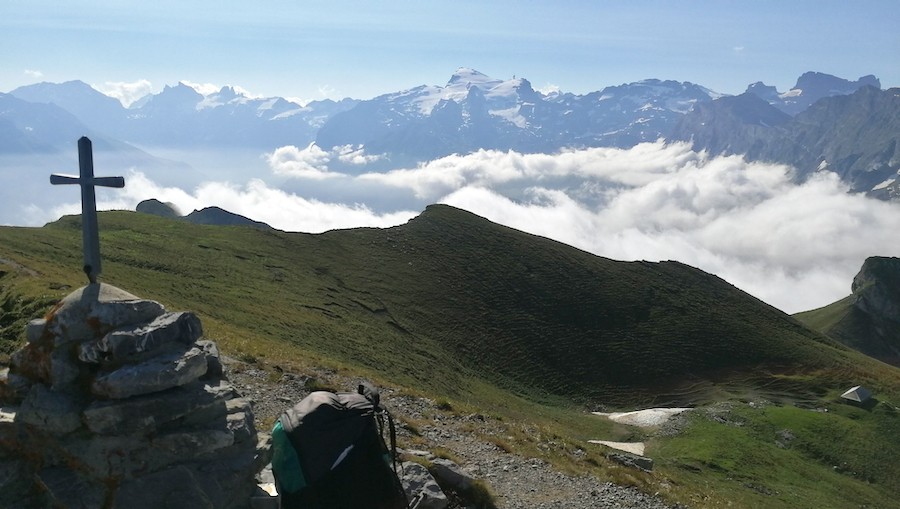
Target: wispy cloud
548, 89
310, 162
328, 92
314, 163
203, 88
33, 74
126, 92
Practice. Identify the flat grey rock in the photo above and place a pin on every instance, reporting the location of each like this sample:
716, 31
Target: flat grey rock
172, 369
421, 488
146, 413
93, 310
134, 342
50, 411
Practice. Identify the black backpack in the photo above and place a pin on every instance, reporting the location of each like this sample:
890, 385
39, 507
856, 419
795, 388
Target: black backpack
329, 453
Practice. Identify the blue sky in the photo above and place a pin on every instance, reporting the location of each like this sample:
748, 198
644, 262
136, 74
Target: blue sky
311, 50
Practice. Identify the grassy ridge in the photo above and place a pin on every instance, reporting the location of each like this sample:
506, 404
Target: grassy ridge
444, 299
539, 314
533, 330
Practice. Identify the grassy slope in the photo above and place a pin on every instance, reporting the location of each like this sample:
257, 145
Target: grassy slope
462, 308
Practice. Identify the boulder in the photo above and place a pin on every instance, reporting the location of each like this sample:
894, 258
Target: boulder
421, 489
451, 475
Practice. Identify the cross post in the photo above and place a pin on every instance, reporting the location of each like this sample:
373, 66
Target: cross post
90, 236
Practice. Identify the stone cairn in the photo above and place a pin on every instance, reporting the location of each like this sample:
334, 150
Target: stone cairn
116, 403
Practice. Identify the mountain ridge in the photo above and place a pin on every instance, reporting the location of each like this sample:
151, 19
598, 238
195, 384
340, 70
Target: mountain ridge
495, 324
423, 282
426, 121
810, 87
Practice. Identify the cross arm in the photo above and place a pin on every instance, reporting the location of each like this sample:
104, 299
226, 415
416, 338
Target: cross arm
97, 181
63, 179
109, 181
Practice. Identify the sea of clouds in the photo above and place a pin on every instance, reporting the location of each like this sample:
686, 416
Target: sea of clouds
794, 245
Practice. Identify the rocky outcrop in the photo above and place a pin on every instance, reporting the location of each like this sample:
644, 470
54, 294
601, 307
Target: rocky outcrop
876, 289
869, 319
115, 402
158, 208
208, 215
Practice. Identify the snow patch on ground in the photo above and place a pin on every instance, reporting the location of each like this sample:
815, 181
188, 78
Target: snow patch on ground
643, 418
632, 447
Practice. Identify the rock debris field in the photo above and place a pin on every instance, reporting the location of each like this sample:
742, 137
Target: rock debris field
516, 481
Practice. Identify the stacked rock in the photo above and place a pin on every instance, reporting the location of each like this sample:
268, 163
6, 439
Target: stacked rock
116, 403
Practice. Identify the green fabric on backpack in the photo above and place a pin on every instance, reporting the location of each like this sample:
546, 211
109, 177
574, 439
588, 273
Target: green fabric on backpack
285, 462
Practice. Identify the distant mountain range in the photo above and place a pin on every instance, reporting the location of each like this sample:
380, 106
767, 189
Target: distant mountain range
810, 87
179, 116
856, 136
850, 127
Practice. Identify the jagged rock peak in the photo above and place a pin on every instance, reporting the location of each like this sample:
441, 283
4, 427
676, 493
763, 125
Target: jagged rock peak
760, 89
827, 82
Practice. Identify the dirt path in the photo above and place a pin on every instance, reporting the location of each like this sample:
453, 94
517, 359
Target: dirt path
517, 481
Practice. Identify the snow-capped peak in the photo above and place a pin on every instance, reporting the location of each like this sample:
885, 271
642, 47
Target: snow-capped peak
466, 75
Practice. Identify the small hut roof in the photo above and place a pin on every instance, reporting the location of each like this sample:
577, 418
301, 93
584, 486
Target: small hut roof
858, 394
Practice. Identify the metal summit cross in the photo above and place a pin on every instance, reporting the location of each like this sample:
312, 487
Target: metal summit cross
90, 236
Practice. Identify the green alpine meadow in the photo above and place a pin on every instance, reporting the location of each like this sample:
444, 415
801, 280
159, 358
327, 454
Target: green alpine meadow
530, 331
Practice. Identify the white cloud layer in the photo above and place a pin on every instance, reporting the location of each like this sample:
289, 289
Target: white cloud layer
313, 162
255, 199
795, 246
